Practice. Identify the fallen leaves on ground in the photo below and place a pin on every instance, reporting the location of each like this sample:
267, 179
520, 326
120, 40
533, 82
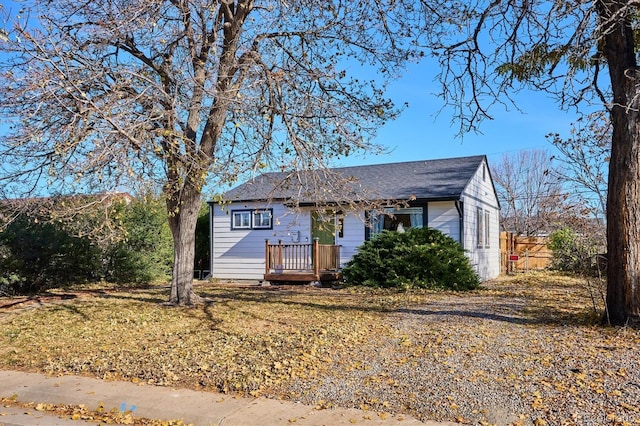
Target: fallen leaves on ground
521, 350
244, 340
84, 413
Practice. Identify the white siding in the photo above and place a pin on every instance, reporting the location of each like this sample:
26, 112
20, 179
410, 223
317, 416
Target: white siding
353, 236
239, 254
443, 216
480, 193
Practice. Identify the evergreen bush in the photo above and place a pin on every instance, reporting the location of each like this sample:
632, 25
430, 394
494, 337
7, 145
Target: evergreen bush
417, 258
36, 254
145, 253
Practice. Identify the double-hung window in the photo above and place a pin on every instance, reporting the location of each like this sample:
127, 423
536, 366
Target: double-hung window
241, 219
483, 228
252, 219
479, 228
262, 219
487, 228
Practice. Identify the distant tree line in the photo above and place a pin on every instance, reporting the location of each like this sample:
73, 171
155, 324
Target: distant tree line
37, 253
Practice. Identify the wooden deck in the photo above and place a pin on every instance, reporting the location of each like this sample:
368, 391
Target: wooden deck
302, 262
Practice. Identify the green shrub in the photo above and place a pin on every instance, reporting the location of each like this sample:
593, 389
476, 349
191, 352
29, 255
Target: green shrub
146, 252
573, 252
37, 256
10, 283
420, 257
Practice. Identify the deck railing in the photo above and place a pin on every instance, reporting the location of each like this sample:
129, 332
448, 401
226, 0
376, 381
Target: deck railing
295, 257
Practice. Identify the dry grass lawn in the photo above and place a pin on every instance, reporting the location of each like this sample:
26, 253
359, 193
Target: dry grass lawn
521, 350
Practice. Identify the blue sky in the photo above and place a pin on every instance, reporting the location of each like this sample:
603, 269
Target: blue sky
424, 131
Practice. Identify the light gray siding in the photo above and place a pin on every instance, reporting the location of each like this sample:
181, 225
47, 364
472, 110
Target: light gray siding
443, 216
353, 236
480, 194
239, 253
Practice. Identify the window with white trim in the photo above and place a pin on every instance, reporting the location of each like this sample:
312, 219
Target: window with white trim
252, 219
241, 219
479, 228
262, 219
400, 219
487, 228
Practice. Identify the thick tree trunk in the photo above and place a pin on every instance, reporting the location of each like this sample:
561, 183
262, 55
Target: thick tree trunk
623, 200
183, 215
623, 221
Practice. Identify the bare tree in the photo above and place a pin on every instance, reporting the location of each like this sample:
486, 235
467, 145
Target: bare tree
585, 161
181, 93
530, 194
580, 53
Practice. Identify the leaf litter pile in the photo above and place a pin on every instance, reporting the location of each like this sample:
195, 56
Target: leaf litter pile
522, 350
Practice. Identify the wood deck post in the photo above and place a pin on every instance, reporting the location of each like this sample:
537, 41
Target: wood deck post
267, 256
280, 249
315, 260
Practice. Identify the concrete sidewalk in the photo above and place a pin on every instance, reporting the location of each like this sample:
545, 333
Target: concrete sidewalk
163, 403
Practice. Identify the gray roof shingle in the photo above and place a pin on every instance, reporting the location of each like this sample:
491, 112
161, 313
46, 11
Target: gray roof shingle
427, 179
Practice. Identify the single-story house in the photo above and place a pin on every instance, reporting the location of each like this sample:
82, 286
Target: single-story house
454, 195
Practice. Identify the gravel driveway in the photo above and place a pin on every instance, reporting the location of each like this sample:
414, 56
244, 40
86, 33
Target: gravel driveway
510, 354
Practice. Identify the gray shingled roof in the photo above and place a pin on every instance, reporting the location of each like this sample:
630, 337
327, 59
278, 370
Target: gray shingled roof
428, 179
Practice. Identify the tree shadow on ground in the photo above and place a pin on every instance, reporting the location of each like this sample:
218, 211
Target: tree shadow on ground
132, 297
514, 303
36, 300
515, 309
330, 302
70, 308
522, 312
465, 313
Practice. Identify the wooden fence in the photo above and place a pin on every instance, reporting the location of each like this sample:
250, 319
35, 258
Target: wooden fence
520, 253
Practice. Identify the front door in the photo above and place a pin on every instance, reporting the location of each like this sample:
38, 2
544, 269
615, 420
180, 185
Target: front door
323, 226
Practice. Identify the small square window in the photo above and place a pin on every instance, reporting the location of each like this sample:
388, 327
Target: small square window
241, 219
262, 219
